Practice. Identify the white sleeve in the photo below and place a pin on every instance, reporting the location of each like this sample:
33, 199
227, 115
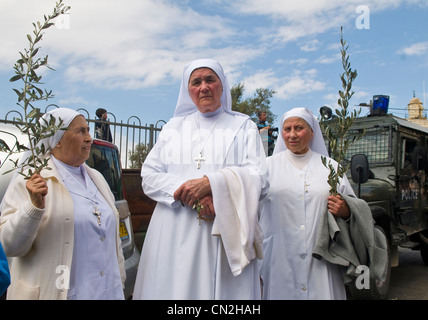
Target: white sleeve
157, 183
20, 220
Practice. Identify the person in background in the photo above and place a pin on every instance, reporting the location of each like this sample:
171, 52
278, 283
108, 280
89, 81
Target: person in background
102, 128
61, 227
261, 124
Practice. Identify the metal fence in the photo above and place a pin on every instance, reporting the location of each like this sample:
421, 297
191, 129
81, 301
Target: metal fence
126, 135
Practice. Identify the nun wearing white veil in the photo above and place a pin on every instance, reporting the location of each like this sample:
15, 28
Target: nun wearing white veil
60, 228
290, 214
212, 158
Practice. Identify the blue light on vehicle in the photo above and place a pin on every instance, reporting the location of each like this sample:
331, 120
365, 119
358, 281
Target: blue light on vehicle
380, 105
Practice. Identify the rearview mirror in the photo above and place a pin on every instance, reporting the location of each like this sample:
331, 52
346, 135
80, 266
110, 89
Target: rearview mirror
359, 168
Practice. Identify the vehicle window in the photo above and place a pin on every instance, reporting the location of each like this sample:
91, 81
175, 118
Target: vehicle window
376, 145
407, 147
106, 161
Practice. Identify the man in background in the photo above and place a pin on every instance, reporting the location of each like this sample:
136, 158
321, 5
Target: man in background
102, 130
261, 124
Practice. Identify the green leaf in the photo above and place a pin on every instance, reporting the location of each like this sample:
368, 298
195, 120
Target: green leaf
48, 25
16, 78
35, 52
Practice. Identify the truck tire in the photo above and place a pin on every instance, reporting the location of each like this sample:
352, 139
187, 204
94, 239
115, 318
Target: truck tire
424, 253
377, 291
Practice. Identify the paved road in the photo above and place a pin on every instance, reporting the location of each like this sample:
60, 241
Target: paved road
409, 281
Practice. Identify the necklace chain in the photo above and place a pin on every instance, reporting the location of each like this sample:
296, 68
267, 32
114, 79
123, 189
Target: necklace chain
96, 212
200, 157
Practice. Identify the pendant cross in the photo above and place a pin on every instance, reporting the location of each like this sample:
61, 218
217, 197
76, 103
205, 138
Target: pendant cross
98, 214
199, 159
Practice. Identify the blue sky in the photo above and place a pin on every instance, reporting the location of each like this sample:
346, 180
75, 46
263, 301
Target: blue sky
127, 56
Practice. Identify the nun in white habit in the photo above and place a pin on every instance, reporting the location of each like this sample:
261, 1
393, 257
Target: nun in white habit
61, 227
206, 155
290, 214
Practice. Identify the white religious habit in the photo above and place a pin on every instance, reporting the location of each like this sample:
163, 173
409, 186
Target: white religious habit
289, 217
183, 257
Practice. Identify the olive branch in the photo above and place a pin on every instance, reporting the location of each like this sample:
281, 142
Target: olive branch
33, 125
336, 129
198, 207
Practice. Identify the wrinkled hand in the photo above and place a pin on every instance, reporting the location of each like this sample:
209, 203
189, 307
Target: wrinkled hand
38, 189
208, 211
338, 207
192, 190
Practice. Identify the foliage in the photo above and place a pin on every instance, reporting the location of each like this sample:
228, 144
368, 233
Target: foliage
336, 130
33, 125
251, 106
138, 155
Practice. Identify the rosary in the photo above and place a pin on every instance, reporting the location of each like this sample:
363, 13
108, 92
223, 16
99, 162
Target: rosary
98, 214
198, 207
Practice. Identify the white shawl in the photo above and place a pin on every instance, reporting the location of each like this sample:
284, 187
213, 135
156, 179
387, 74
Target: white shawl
236, 217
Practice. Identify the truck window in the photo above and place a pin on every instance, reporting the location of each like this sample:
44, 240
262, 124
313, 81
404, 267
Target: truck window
407, 147
376, 145
106, 161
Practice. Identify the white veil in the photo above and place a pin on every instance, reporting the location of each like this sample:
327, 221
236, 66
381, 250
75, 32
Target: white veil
185, 104
317, 143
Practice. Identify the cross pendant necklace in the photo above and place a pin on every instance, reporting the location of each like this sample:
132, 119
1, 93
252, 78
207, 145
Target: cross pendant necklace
200, 157
98, 214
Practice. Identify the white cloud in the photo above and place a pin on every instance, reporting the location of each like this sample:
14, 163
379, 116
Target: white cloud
135, 44
294, 20
415, 49
328, 59
128, 45
311, 45
298, 62
298, 83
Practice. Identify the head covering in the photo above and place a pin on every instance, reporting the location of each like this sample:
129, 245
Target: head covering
317, 144
185, 104
100, 112
67, 116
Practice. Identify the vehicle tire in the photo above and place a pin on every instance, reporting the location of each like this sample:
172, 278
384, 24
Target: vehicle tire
377, 290
424, 253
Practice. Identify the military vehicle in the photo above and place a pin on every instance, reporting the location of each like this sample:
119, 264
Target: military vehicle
389, 171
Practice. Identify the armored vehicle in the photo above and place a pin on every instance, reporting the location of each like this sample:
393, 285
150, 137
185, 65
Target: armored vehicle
389, 171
